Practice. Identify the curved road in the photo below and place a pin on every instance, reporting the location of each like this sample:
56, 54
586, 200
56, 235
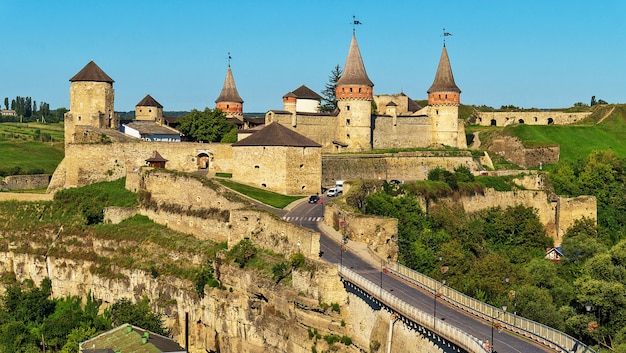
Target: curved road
308, 215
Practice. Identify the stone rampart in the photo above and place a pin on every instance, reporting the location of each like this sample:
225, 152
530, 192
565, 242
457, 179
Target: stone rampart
402, 132
401, 165
85, 164
556, 215
530, 118
379, 233
514, 151
13, 196
25, 182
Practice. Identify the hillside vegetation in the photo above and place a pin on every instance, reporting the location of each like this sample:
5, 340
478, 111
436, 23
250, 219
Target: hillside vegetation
603, 130
30, 148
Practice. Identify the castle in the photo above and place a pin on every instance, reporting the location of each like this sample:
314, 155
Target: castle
286, 155
398, 123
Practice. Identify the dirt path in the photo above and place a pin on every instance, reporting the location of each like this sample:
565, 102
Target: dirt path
606, 115
476, 144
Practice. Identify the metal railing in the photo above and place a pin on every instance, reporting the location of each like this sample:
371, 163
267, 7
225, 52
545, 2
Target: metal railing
443, 329
541, 333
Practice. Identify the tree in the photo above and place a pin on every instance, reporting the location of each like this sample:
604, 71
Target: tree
329, 98
6, 102
139, 314
207, 126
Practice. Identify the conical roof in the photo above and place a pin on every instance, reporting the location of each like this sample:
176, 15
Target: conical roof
275, 134
148, 101
444, 80
304, 92
92, 73
354, 70
229, 91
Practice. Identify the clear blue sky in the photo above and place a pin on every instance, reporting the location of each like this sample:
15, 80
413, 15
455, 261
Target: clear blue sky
544, 54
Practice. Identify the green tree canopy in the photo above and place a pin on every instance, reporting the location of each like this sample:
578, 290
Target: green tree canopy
206, 126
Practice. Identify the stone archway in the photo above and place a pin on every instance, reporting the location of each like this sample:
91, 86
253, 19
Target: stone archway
550, 121
493, 122
203, 160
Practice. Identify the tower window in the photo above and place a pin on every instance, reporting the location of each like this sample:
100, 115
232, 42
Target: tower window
348, 136
347, 122
149, 110
359, 89
350, 89
347, 107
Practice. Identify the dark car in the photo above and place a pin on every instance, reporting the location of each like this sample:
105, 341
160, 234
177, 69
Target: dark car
395, 181
314, 199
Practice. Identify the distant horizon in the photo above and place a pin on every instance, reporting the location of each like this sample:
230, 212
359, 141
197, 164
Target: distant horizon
533, 54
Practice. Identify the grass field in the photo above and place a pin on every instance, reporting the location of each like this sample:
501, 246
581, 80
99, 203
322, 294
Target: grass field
267, 197
21, 146
578, 141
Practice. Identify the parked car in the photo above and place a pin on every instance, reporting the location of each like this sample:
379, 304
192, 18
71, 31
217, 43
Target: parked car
314, 199
332, 192
395, 181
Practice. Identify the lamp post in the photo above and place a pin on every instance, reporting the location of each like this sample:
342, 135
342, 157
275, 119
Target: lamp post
443, 283
493, 324
588, 307
512, 295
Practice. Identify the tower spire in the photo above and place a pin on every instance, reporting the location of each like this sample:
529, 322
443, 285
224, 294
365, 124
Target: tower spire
444, 90
229, 100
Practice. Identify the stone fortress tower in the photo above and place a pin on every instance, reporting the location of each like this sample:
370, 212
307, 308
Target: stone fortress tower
148, 109
444, 98
91, 101
354, 99
229, 100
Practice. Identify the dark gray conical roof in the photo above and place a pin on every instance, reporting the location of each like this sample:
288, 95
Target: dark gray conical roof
148, 101
91, 73
444, 80
275, 134
354, 70
229, 90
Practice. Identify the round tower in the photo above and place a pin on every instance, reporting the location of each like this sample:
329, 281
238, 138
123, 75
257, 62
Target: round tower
149, 109
354, 99
229, 100
444, 97
91, 101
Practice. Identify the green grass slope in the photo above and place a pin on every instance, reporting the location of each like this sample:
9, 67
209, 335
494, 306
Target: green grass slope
599, 132
31, 147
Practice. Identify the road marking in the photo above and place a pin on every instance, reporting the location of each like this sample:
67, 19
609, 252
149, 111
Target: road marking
309, 219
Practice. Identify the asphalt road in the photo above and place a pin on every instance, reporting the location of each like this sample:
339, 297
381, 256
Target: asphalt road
308, 215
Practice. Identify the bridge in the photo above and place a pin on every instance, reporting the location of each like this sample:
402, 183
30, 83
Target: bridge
429, 306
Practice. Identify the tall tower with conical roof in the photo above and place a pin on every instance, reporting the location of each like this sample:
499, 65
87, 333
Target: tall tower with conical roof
229, 100
444, 97
354, 99
91, 101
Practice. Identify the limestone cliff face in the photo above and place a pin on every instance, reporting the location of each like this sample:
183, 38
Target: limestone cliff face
250, 315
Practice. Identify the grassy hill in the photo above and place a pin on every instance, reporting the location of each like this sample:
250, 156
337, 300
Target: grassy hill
603, 130
30, 148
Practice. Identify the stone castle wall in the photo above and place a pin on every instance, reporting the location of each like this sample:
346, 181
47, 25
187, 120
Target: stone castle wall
90, 163
514, 151
286, 170
556, 215
379, 233
530, 118
401, 166
25, 182
321, 129
402, 131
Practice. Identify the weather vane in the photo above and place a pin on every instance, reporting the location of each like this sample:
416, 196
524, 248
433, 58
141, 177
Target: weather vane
229, 58
355, 22
445, 34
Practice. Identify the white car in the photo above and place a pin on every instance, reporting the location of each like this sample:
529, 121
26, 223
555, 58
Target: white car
332, 192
